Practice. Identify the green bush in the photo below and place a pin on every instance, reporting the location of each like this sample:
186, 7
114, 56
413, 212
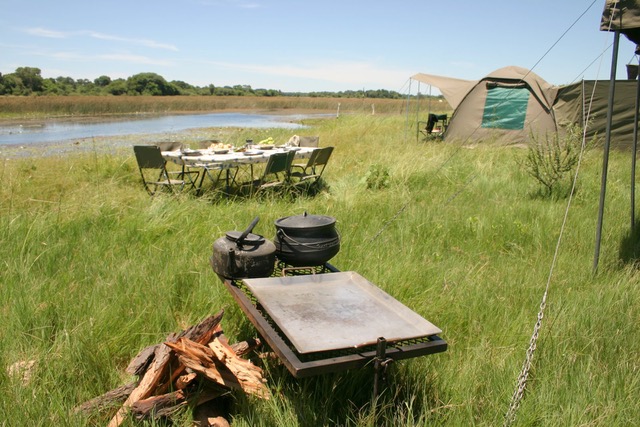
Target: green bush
377, 177
551, 160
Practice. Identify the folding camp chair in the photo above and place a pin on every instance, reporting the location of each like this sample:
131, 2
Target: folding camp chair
312, 171
169, 145
151, 162
178, 146
309, 141
276, 172
435, 126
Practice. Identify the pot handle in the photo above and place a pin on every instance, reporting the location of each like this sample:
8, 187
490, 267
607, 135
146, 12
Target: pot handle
281, 232
246, 232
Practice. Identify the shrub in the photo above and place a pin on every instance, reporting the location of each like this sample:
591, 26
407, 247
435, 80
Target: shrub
377, 177
552, 159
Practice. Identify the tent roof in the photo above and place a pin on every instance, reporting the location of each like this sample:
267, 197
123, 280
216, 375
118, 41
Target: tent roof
454, 90
544, 91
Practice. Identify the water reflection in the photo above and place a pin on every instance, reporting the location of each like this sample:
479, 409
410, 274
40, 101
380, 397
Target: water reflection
64, 130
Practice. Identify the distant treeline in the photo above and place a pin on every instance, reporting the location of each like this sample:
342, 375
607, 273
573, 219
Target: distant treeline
27, 81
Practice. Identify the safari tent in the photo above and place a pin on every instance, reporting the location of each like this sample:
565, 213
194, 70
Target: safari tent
512, 103
507, 105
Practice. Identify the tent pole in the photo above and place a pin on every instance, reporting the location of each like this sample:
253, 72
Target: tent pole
418, 114
634, 152
406, 125
607, 144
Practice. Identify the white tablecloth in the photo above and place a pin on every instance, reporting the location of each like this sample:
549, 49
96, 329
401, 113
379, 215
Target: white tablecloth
232, 159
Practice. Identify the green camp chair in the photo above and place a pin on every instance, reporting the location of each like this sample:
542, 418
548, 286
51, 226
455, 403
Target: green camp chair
309, 141
276, 172
152, 164
312, 171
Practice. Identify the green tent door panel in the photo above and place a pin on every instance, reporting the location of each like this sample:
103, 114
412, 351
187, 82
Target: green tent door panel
505, 108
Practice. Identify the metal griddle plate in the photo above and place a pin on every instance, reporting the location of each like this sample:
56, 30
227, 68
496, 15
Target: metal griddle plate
322, 312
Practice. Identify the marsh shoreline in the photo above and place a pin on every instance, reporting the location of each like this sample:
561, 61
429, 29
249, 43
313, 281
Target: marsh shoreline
117, 142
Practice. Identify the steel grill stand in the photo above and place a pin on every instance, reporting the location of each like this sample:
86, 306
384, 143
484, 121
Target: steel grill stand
293, 313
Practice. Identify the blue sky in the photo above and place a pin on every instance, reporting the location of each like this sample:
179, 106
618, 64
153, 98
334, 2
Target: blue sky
306, 45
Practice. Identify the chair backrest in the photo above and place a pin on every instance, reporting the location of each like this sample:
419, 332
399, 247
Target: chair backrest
169, 145
322, 156
149, 157
309, 141
279, 162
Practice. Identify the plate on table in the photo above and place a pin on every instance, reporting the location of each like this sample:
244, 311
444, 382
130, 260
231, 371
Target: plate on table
292, 148
191, 153
221, 151
253, 153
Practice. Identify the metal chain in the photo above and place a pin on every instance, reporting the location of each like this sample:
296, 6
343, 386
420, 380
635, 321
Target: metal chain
526, 367
386, 224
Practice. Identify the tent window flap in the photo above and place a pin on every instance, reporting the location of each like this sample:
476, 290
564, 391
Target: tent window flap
505, 108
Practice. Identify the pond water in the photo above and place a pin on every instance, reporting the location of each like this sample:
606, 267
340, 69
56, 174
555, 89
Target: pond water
58, 131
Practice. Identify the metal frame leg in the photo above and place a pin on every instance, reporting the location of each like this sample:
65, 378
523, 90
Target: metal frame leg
380, 364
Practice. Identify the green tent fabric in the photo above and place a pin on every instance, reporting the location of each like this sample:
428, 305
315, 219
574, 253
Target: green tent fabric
505, 108
590, 97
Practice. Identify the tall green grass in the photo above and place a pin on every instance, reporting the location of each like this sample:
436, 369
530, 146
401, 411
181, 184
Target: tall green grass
94, 270
19, 107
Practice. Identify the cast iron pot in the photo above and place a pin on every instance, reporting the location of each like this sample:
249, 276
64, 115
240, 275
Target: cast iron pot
243, 255
306, 240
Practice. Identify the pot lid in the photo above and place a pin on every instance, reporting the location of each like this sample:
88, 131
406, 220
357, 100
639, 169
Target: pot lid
250, 239
305, 221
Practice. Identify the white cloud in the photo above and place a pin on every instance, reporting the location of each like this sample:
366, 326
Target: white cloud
142, 42
44, 32
110, 57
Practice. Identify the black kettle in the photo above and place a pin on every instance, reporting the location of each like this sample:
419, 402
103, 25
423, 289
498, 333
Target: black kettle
240, 255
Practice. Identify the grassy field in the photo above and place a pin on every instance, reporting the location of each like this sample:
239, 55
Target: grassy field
94, 270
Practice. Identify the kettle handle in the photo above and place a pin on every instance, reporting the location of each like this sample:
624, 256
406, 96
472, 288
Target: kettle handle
246, 232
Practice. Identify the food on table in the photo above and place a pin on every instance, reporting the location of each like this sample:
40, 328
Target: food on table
220, 146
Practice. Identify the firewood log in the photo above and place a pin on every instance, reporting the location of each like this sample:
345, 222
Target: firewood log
159, 406
141, 362
147, 385
166, 405
245, 347
186, 380
155, 376
221, 366
108, 400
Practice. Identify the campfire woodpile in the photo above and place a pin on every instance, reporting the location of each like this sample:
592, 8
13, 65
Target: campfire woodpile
192, 368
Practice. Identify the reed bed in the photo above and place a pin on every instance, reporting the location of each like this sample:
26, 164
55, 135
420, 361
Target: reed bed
95, 269
12, 107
